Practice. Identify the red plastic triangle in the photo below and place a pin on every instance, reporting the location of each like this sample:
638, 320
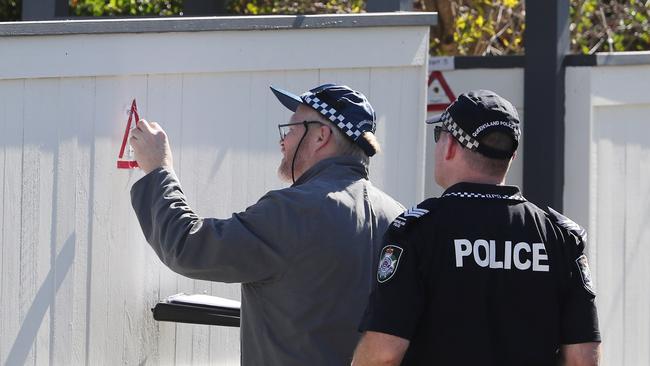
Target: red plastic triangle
128, 162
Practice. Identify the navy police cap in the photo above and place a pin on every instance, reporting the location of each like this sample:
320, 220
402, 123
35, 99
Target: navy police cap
347, 109
476, 113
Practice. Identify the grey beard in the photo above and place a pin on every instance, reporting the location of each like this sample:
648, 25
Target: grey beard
284, 170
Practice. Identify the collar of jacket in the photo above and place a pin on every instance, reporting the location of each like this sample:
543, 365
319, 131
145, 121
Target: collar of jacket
487, 191
336, 167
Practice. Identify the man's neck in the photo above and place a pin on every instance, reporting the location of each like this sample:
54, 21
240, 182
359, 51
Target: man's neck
481, 179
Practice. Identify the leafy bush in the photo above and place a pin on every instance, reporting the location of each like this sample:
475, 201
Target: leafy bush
609, 25
126, 7
479, 27
466, 27
257, 7
496, 27
10, 10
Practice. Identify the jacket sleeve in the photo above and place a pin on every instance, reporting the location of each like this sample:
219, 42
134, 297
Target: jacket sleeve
244, 248
579, 317
396, 304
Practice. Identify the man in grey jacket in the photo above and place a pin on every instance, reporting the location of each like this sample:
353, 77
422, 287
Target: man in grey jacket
304, 254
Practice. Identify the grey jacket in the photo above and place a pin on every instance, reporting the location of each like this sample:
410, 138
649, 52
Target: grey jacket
305, 255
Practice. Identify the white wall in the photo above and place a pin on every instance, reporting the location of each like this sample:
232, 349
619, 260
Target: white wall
607, 189
78, 280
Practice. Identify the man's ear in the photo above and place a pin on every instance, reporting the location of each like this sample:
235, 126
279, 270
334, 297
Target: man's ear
323, 135
451, 147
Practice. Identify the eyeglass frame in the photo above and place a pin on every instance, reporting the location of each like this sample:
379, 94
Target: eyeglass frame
305, 123
436, 132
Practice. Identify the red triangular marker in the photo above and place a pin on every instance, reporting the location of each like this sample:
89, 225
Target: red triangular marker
128, 162
439, 94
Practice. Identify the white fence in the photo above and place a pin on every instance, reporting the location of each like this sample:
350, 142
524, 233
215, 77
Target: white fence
607, 169
78, 280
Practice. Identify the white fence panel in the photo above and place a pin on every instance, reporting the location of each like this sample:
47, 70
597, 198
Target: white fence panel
78, 280
608, 191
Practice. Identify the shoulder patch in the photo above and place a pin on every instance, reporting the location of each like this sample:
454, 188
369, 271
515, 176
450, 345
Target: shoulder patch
585, 274
568, 224
412, 214
388, 262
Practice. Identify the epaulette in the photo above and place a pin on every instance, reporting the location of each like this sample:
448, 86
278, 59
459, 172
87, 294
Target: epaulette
568, 224
408, 217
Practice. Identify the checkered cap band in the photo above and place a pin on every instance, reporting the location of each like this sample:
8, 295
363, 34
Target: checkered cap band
516, 197
463, 137
333, 115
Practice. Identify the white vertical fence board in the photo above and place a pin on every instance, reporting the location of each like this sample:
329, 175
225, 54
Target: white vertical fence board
199, 155
64, 207
41, 102
610, 230
637, 236
400, 130
578, 140
223, 189
164, 106
5, 145
113, 248
82, 119
11, 136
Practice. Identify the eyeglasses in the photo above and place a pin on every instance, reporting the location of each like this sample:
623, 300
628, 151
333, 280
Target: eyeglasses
286, 128
436, 132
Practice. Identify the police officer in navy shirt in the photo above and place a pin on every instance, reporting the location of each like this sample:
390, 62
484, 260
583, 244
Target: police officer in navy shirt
480, 276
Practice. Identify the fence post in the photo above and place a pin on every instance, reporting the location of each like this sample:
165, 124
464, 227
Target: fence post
547, 43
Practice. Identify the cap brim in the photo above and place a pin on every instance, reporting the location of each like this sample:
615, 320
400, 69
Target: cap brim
434, 119
289, 100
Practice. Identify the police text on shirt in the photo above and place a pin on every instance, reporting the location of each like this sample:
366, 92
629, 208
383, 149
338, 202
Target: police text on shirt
484, 252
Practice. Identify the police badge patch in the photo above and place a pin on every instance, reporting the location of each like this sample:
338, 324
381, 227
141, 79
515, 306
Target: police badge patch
388, 261
585, 274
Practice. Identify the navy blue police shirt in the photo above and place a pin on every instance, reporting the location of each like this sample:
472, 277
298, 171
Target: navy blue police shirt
480, 276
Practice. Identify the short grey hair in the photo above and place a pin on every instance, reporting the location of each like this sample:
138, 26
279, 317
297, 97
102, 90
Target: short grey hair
347, 147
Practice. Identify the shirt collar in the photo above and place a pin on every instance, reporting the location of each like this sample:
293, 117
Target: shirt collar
336, 167
483, 191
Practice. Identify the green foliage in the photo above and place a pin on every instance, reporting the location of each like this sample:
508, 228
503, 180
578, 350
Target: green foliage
259, 7
10, 10
496, 27
609, 25
475, 27
488, 27
126, 7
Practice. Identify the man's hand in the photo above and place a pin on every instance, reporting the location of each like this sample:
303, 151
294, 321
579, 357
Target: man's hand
151, 146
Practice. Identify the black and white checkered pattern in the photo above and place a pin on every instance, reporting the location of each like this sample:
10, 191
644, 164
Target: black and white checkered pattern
333, 115
463, 137
516, 197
